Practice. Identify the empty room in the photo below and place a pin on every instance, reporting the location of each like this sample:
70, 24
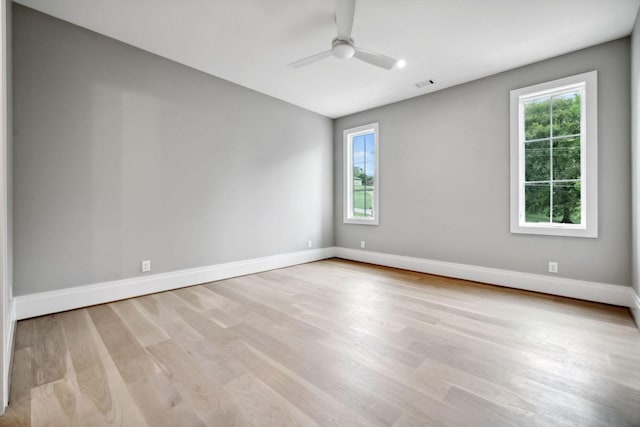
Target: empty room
320, 213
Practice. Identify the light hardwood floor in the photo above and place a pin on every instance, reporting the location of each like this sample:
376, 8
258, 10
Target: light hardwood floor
330, 343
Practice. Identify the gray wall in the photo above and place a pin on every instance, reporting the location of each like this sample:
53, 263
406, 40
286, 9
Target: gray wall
9, 137
121, 156
7, 233
444, 175
635, 154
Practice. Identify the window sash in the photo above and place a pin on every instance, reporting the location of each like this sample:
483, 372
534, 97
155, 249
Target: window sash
544, 95
588, 227
349, 191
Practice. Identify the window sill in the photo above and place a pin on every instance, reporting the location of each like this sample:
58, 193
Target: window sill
361, 221
556, 230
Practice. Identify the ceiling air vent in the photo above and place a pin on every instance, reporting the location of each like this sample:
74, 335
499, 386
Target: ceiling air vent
424, 83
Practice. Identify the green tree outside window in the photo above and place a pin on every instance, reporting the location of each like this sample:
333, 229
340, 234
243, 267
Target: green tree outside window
552, 127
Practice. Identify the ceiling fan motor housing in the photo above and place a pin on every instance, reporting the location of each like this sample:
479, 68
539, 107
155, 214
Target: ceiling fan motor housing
342, 49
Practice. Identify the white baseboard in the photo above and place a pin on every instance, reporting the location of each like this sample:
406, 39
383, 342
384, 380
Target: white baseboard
635, 307
590, 291
8, 359
39, 304
42, 303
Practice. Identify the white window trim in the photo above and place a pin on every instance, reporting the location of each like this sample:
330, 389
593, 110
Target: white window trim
589, 160
347, 138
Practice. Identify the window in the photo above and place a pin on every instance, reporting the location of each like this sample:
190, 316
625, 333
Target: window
361, 200
553, 157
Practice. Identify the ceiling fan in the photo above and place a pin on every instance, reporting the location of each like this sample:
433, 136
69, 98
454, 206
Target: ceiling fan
343, 47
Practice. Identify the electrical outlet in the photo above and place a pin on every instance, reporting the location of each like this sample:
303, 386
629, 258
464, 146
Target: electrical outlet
553, 267
362, 244
146, 266
309, 244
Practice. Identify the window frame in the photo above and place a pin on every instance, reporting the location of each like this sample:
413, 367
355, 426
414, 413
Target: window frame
347, 141
588, 156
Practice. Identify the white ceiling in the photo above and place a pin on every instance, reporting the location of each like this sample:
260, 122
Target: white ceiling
250, 42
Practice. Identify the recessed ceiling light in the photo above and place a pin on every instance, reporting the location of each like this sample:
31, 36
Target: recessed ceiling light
401, 63
424, 83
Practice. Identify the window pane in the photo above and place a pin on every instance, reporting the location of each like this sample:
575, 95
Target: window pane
566, 158
359, 160
358, 148
566, 114
369, 152
537, 199
359, 157
358, 200
536, 119
358, 175
566, 202
369, 202
362, 201
370, 173
537, 161
370, 143
363, 174
369, 167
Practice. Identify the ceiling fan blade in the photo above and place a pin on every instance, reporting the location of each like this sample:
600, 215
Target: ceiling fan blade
311, 59
345, 11
374, 58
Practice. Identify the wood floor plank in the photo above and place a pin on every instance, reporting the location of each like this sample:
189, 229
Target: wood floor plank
20, 391
327, 376
321, 407
49, 350
330, 343
562, 376
553, 401
215, 355
91, 377
24, 334
197, 384
158, 400
62, 402
196, 300
160, 310
54, 404
262, 406
203, 325
145, 331
96, 374
491, 414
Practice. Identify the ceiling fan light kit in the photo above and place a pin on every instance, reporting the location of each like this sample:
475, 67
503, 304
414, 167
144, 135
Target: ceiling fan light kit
342, 49
343, 46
